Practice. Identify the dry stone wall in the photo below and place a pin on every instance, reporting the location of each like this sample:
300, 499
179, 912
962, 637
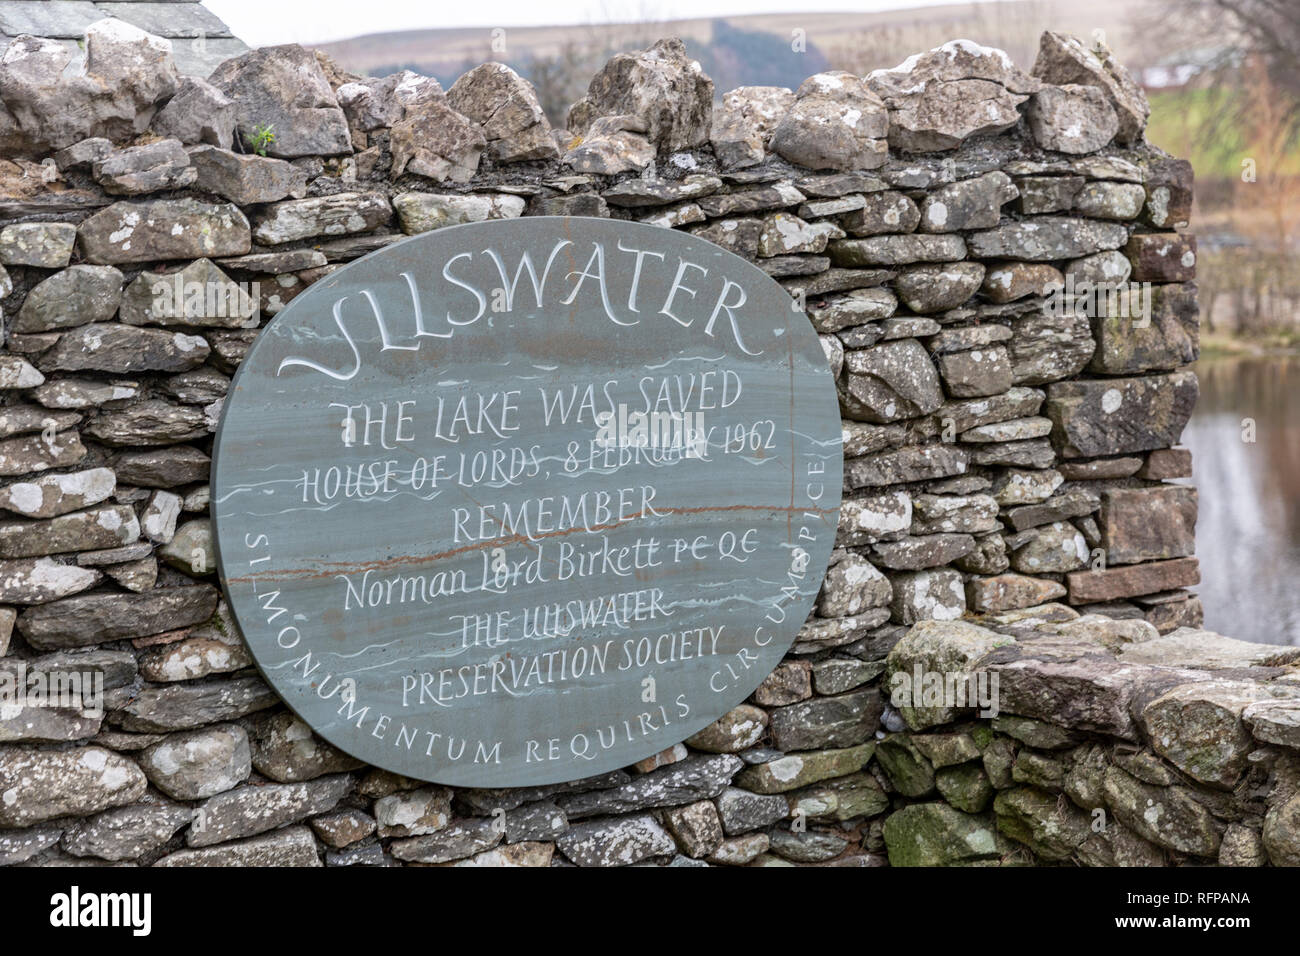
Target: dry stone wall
1009, 523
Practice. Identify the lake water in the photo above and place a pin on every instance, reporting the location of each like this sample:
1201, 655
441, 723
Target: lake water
1248, 532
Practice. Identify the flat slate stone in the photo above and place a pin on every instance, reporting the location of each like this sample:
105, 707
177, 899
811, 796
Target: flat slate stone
917, 463
42, 785
31, 453
1010, 591
1162, 257
1087, 587
155, 167
953, 514
642, 192
840, 184
616, 841
36, 581
335, 215
1148, 524
163, 229
922, 551
1047, 347
1119, 416
457, 841
96, 618
22, 419
46, 245
420, 212
163, 467
106, 526
50, 495
1194, 647
1015, 402
45, 725
967, 337
292, 846
186, 706
75, 296
1047, 239
1100, 468
692, 779
754, 199
897, 250
1074, 503
72, 392
126, 833
152, 422
248, 811
123, 349
793, 771
245, 179
837, 280
274, 263
839, 721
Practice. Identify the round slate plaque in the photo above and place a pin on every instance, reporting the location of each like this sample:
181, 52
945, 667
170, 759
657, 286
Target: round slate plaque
520, 502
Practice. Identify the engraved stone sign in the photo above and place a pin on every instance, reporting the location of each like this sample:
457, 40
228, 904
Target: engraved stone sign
519, 502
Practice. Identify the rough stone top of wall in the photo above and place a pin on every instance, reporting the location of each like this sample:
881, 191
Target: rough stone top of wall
1075, 101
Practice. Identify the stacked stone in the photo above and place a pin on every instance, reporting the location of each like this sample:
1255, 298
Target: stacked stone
997, 454
1114, 745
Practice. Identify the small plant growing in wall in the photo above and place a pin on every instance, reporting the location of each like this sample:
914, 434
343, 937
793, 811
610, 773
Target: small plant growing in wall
263, 138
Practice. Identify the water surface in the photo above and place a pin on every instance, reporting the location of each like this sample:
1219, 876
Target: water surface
1248, 533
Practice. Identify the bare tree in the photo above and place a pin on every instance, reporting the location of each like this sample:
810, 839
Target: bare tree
1234, 40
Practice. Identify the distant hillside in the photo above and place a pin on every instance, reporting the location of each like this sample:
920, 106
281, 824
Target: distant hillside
748, 50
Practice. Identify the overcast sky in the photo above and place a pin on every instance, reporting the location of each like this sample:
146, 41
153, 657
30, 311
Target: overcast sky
264, 22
